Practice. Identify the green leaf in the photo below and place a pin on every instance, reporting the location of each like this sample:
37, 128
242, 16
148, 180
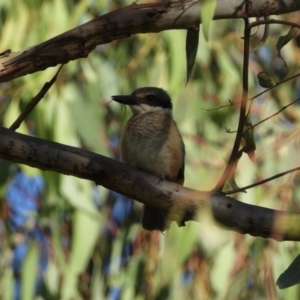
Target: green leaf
78, 193
265, 79
291, 275
85, 234
284, 39
29, 271
207, 11
191, 48
7, 282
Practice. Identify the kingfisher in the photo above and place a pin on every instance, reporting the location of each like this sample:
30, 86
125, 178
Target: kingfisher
151, 142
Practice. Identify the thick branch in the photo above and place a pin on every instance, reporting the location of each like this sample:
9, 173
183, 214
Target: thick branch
136, 18
145, 188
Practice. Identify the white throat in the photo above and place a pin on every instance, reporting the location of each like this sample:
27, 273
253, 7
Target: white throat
144, 108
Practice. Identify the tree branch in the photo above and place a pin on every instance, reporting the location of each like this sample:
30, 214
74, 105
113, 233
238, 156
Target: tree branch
34, 102
235, 156
146, 188
124, 22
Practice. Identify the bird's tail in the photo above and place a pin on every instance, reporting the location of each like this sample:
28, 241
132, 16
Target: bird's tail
154, 219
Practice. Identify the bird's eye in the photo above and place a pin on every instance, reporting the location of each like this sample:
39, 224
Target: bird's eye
150, 97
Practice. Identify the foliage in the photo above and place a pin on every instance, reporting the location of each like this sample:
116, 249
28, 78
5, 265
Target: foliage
97, 247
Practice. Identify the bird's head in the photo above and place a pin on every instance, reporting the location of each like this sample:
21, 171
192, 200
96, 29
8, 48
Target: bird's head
146, 99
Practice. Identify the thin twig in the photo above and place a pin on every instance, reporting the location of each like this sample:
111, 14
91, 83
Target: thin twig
34, 101
234, 157
221, 106
278, 112
254, 97
264, 120
261, 182
275, 85
272, 21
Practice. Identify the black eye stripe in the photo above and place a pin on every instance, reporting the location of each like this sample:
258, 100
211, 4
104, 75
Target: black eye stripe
153, 96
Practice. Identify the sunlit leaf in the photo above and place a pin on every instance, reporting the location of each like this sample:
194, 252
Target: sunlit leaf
7, 284
29, 271
177, 76
78, 193
291, 275
207, 11
191, 47
85, 234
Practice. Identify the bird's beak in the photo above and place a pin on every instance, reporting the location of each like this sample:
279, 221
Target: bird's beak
125, 99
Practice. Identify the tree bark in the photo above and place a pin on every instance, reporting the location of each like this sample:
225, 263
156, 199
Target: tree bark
124, 22
148, 189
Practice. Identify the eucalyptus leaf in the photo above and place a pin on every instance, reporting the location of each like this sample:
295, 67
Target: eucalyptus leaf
284, 39
7, 285
265, 35
207, 11
291, 275
248, 140
85, 234
265, 79
191, 48
29, 271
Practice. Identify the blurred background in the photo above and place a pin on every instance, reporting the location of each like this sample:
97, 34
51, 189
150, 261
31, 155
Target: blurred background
65, 238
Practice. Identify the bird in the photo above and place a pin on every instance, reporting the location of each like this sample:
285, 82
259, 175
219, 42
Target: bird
151, 142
